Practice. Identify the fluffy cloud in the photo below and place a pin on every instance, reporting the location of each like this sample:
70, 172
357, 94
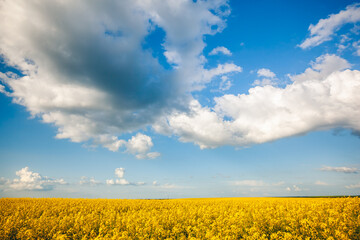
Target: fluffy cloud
29, 180
325, 28
264, 72
120, 172
323, 66
84, 67
220, 49
324, 97
140, 146
340, 169
268, 78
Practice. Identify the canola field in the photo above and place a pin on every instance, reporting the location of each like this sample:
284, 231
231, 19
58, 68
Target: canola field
222, 218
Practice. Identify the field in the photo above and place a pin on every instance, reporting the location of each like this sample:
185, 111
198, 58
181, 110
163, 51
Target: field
222, 218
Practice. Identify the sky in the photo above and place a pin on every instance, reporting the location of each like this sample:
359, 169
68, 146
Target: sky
179, 98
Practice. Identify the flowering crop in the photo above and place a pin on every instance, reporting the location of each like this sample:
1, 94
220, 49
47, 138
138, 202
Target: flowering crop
221, 218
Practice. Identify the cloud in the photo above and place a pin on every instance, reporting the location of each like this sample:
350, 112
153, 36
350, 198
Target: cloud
95, 91
324, 97
264, 72
140, 146
86, 69
340, 169
264, 82
294, 188
323, 66
320, 183
89, 181
326, 28
225, 84
268, 78
356, 45
221, 70
167, 185
29, 180
256, 183
352, 186
222, 50
120, 172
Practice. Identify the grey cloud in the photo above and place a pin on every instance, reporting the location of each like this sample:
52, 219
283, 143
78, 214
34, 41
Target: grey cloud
84, 68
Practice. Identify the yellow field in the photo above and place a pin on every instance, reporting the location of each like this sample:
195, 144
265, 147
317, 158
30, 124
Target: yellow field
223, 218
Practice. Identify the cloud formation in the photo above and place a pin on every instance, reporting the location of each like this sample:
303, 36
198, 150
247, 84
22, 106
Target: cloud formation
222, 50
294, 188
325, 96
140, 146
267, 78
255, 183
340, 169
326, 28
89, 181
29, 180
120, 172
85, 67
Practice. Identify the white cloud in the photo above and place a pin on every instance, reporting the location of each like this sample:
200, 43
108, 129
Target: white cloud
264, 72
225, 83
267, 78
340, 169
294, 188
264, 82
320, 183
140, 145
352, 186
356, 45
98, 89
324, 97
220, 70
109, 85
120, 172
29, 180
322, 67
220, 49
173, 57
326, 28
89, 181
110, 182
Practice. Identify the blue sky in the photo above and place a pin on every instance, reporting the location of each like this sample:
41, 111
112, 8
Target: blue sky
154, 99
